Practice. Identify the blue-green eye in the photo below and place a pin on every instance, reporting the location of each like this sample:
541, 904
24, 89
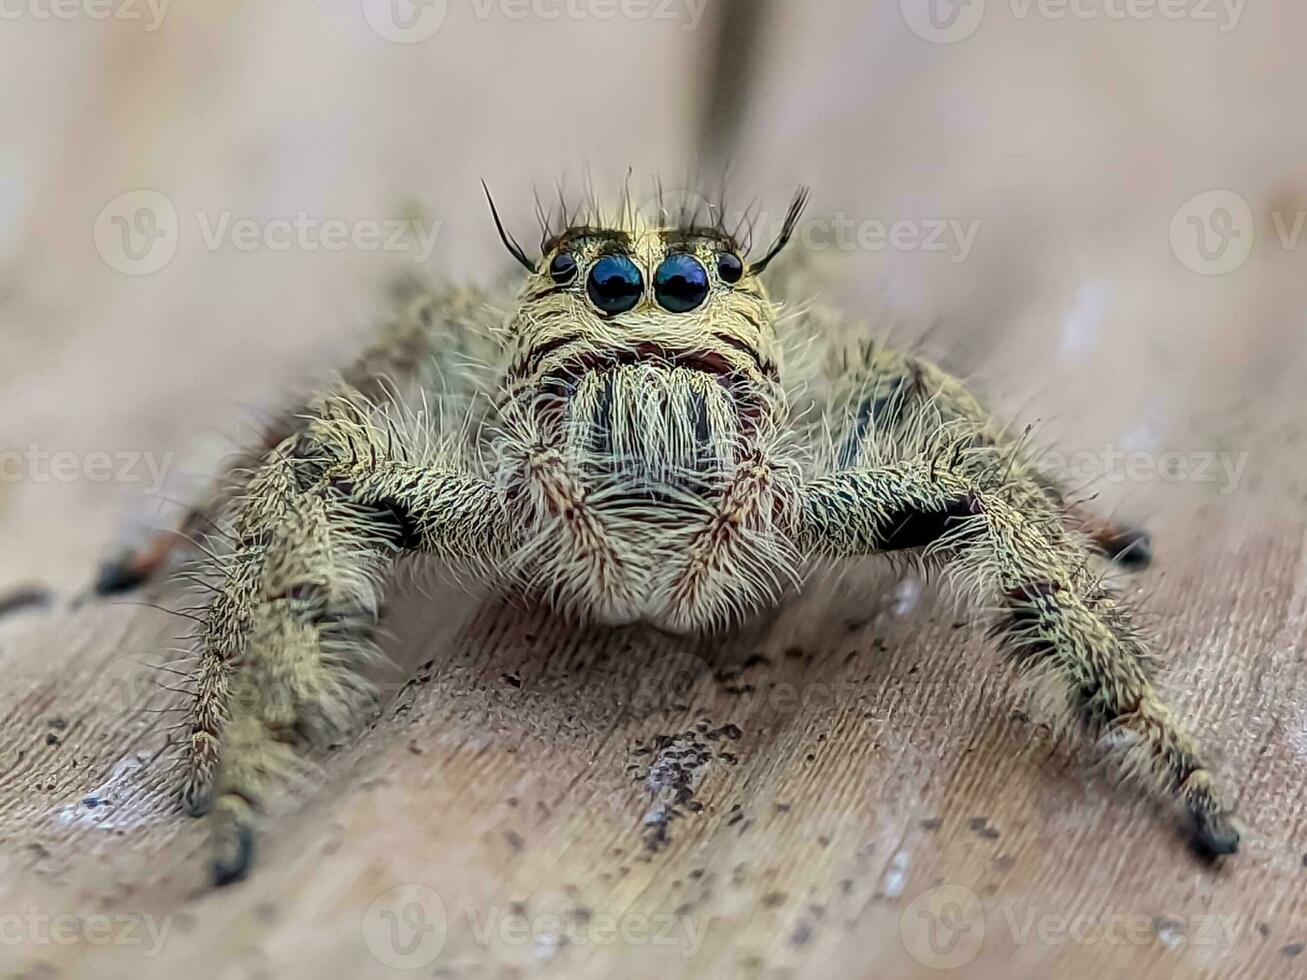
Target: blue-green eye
615, 284
681, 283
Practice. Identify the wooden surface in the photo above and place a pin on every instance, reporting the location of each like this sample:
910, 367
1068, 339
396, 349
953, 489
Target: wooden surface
824, 795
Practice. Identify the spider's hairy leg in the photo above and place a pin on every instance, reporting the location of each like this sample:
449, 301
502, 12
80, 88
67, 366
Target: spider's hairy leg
430, 342
316, 529
892, 394
1055, 619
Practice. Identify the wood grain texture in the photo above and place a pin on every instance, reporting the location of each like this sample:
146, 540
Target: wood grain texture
851, 789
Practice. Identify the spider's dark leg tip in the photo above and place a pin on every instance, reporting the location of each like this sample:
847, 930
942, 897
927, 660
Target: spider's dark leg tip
228, 871
25, 598
1131, 549
197, 806
122, 575
1214, 836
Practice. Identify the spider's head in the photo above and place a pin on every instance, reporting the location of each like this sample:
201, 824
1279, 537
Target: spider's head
643, 333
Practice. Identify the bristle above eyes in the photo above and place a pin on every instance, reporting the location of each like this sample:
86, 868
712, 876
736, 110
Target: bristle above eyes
683, 215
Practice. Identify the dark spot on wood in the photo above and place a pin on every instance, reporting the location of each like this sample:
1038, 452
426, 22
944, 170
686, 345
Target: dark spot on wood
1292, 950
980, 826
514, 839
932, 823
774, 899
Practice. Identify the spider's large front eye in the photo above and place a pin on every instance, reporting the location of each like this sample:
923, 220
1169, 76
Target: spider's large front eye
615, 284
681, 283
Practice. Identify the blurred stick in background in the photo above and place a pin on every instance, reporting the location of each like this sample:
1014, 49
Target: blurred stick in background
732, 68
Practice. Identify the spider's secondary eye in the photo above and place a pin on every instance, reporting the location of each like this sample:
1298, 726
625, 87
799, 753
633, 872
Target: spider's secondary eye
615, 284
562, 269
681, 283
730, 267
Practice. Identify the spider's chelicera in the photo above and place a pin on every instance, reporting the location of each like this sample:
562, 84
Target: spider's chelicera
639, 450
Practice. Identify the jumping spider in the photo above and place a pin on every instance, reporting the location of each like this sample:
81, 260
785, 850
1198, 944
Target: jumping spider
637, 452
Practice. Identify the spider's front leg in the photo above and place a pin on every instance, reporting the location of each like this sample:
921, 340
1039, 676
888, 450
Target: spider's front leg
1056, 619
291, 615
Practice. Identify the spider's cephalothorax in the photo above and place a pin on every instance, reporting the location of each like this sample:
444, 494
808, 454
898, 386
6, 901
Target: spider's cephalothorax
640, 411
636, 454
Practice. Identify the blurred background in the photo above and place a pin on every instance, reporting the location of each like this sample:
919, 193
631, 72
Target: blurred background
200, 204
1094, 209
